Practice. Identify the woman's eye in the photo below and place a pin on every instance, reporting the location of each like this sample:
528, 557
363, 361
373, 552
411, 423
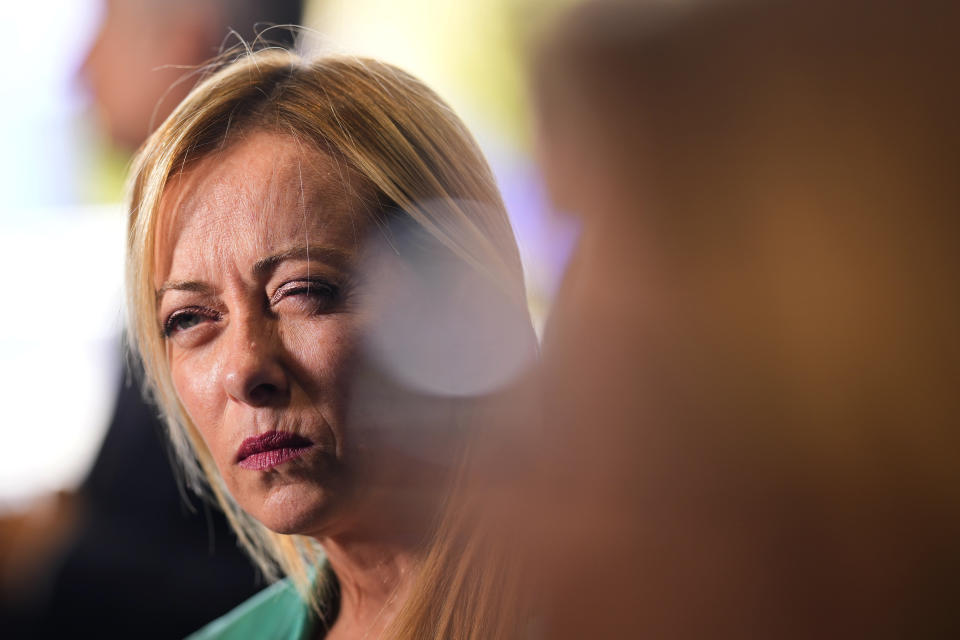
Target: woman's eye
185, 319
311, 296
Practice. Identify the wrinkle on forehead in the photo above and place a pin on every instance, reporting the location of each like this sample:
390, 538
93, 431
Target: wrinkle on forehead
253, 183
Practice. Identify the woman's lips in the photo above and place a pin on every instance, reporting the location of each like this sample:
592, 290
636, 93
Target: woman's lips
270, 449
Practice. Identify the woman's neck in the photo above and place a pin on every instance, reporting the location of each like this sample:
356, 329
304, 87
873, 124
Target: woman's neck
375, 579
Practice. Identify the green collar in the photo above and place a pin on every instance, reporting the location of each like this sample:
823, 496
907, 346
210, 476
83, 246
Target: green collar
278, 612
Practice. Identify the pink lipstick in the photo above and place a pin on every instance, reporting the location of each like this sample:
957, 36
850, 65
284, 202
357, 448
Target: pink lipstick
270, 449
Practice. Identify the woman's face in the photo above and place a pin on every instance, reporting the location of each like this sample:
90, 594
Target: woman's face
256, 250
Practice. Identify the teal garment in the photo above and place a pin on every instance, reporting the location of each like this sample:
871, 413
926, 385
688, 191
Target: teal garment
276, 613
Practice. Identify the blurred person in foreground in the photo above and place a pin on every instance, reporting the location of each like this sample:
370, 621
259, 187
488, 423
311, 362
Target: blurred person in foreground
328, 301
752, 366
83, 564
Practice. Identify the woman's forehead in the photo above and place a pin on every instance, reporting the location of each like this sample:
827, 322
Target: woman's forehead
264, 189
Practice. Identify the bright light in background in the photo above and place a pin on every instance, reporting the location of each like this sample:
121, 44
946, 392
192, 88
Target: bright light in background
40, 164
60, 264
59, 334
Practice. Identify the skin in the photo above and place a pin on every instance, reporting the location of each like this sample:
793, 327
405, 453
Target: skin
136, 65
264, 336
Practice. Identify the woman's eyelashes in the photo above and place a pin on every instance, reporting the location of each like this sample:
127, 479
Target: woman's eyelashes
187, 318
311, 296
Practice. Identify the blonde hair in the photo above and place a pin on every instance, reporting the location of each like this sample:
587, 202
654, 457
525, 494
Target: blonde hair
421, 163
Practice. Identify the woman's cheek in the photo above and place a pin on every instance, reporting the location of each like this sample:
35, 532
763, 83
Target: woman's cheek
323, 349
196, 380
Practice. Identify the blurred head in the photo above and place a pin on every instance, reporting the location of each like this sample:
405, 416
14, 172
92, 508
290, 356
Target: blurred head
321, 278
138, 67
751, 362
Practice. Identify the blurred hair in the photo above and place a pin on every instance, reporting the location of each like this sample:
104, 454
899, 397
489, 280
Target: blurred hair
421, 165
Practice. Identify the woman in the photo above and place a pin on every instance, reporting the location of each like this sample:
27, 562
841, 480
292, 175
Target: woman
325, 292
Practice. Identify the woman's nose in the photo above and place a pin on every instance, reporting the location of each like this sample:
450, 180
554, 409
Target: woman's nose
253, 372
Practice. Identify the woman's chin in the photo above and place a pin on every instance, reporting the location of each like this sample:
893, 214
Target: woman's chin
294, 511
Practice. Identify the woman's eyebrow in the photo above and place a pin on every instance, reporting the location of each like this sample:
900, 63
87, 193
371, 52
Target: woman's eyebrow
326, 255
187, 285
